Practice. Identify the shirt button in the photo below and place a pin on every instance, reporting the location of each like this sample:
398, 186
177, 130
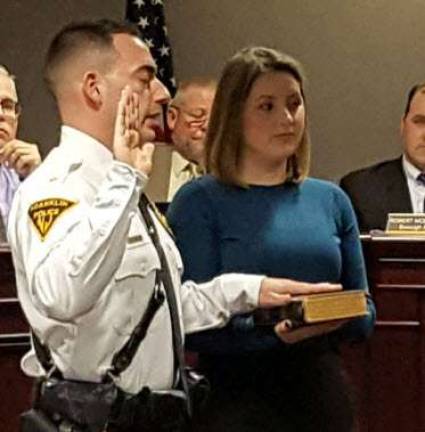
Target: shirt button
76, 261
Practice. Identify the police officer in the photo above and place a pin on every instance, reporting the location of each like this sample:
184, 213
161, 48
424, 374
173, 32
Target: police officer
84, 259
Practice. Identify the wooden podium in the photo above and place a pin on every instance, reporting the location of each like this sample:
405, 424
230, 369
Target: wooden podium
389, 370
15, 387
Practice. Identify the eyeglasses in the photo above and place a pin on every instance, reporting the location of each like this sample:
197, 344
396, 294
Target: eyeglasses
10, 108
194, 119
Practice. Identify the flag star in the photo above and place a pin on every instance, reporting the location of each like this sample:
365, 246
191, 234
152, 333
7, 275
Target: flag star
143, 22
164, 51
149, 43
148, 15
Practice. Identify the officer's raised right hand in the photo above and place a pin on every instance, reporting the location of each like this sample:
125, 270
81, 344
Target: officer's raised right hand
132, 141
279, 291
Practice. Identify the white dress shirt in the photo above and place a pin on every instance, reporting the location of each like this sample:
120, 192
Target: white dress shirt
416, 188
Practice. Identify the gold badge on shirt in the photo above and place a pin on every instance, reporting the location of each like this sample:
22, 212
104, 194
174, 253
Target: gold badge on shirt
44, 213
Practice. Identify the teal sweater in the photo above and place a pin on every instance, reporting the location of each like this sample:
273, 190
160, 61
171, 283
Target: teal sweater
306, 232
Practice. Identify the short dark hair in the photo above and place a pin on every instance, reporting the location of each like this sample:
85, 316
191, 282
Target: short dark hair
420, 87
225, 140
78, 36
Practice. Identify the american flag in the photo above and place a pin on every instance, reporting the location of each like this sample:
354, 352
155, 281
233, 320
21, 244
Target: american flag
148, 15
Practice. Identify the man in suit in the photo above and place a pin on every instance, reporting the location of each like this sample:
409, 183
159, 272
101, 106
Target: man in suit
397, 185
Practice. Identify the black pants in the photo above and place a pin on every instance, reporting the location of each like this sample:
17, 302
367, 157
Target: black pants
298, 388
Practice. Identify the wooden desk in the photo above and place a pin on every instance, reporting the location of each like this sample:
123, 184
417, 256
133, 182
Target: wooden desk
389, 371
15, 387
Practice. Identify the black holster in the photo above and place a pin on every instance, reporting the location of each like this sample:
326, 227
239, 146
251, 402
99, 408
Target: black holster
77, 406
35, 420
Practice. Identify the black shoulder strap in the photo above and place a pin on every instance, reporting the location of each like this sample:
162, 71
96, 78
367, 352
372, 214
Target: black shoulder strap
165, 277
42, 353
121, 359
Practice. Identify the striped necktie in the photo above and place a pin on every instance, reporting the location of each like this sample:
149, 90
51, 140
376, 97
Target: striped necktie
193, 170
421, 179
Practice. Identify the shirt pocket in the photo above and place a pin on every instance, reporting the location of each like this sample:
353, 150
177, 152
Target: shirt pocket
134, 284
139, 259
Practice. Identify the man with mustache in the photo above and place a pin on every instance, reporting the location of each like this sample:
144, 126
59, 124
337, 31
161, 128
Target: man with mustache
187, 118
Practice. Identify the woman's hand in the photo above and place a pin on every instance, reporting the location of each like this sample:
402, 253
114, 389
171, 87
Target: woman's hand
288, 335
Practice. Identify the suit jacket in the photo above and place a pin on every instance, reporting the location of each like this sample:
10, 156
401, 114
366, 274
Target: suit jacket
376, 191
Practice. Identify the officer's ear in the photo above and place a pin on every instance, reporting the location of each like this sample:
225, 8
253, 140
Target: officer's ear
93, 88
172, 114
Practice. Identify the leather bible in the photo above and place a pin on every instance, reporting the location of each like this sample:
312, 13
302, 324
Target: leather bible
316, 308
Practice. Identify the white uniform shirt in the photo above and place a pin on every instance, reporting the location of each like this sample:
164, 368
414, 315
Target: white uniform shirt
416, 188
85, 268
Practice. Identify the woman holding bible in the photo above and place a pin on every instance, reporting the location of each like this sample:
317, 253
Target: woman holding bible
257, 211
